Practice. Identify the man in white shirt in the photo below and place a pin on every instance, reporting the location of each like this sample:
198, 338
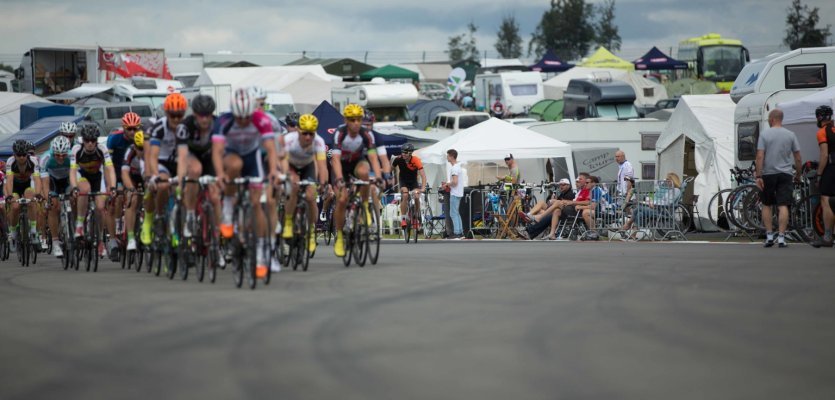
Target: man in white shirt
455, 187
624, 171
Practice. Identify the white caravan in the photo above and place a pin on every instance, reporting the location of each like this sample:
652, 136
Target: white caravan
812, 68
388, 101
517, 91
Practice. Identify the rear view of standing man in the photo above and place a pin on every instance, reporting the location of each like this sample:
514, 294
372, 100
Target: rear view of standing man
776, 148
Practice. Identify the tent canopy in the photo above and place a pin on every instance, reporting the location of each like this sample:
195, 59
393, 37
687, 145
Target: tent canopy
389, 72
10, 110
39, 133
656, 60
708, 121
603, 58
803, 109
551, 63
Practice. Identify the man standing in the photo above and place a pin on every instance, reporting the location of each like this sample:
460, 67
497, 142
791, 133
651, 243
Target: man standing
775, 149
514, 177
625, 171
826, 172
456, 192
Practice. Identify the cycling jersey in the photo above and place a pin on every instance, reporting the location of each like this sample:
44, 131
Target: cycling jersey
133, 162
300, 157
23, 173
408, 169
351, 149
188, 134
165, 138
243, 140
90, 163
378, 141
118, 145
54, 169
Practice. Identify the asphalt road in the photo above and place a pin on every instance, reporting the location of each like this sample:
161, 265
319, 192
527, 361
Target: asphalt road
442, 320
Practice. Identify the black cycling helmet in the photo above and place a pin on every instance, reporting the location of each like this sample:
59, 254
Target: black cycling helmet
368, 117
89, 132
408, 147
203, 105
292, 119
20, 147
823, 113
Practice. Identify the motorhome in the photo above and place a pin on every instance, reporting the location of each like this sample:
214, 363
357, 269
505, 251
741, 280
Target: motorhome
812, 68
388, 101
635, 137
6, 82
146, 90
516, 91
585, 98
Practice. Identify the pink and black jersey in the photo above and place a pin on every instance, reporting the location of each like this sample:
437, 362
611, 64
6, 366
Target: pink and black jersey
244, 140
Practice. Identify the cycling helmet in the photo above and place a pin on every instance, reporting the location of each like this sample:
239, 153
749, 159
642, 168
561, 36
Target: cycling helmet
139, 139
203, 105
408, 147
89, 132
243, 105
292, 119
20, 146
131, 119
175, 102
352, 111
60, 145
30, 148
67, 128
823, 113
308, 123
258, 92
369, 117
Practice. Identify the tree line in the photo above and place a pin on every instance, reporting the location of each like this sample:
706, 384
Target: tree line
571, 27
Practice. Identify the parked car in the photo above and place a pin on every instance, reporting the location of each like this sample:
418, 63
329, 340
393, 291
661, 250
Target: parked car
454, 121
109, 115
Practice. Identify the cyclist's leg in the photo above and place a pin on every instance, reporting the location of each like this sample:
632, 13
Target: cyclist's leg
290, 205
404, 204
130, 219
416, 193
232, 166
84, 189
193, 171
362, 172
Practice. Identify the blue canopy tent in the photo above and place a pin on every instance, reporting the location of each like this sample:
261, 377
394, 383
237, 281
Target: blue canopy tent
40, 133
656, 60
551, 63
330, 119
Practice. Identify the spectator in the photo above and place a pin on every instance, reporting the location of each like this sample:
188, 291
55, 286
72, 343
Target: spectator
467, 103
599, 199
497, 109
456, 192
541, 209
666, 194
625, 171
514, 176
826, 172
776, 147
561, 208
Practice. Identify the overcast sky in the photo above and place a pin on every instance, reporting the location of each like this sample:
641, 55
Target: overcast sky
375, 25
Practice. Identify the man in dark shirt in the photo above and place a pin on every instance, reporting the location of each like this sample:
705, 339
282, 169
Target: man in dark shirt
546, 217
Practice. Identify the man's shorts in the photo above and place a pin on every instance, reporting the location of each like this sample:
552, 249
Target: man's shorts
308, 172
827, 181
20, 187
59, 186
777, 189
94, 179
253, 164
409, 185
350, 167
167, 167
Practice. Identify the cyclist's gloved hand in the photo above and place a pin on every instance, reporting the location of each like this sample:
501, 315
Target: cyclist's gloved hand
340, 183
38, 197
74, 191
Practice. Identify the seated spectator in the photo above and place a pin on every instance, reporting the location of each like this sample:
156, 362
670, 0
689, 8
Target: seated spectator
599, 199
667, 193
563, 207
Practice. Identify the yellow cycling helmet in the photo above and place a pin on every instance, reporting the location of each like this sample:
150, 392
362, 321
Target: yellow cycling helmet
139, 139
308, 123
353, 111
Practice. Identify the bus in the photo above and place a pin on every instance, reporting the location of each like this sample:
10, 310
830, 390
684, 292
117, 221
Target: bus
714, 58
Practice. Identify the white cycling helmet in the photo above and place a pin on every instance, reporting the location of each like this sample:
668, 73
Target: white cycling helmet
243, 104
61, 145
258, 92
68, 127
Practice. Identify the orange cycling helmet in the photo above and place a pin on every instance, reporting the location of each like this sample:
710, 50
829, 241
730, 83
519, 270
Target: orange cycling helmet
131, 119
175, 102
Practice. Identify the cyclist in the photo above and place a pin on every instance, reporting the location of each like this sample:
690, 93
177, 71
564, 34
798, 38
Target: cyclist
133, 167
368, 120
409, 166
235, 153
55, 179
68, 130
118, 144
305, 153
21, 173
88, 162
194, 150
291, 120
826, 172
353, 151
260, 96
160, 160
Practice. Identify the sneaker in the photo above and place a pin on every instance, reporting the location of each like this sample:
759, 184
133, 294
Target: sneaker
261, 271
768, 243
821, 243
44, 243
403, 223
56, 249
131, 245
339, 245
227, 230
275, 266
113, 250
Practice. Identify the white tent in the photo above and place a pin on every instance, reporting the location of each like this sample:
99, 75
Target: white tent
308, 84
484, 146
10, 110
707, 121
555, 87
803, 109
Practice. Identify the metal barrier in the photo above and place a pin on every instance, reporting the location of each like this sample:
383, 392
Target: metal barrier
654, 212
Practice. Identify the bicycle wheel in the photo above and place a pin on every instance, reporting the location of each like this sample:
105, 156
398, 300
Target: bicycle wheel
360, 235
716, 210
806, 218
330, 234
348, 237
184, 249
94, 229
414, 222
251, 246
23, 239
304, 246
373, 240
407, 230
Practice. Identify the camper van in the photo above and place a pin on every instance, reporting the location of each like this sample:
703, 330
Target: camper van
751, 118
146, 90
388, 101
599, 98
450, 122
517, 91
812, 68
635, 137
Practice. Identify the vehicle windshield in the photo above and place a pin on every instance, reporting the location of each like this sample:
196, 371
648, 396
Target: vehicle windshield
722, 63
81, 110
391, 114
617, 111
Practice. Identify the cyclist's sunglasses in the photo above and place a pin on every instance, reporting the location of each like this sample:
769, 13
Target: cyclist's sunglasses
20, 155
132, 128
178, 115
407, 152
308, 133
352, 119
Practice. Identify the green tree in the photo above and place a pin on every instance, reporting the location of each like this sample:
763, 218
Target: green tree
606, 32
463, 46
509, 43
4, 67
566, 28
802, 30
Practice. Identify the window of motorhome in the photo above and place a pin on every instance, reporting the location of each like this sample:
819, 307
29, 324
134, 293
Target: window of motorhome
649, 139
523, 90
805, 76
495, 91
626, 111
117, 112
466, 121
647, 170
81, 110
390, 114
747, 134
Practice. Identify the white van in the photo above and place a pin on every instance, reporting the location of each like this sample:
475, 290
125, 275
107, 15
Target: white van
388, 101
453, 121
